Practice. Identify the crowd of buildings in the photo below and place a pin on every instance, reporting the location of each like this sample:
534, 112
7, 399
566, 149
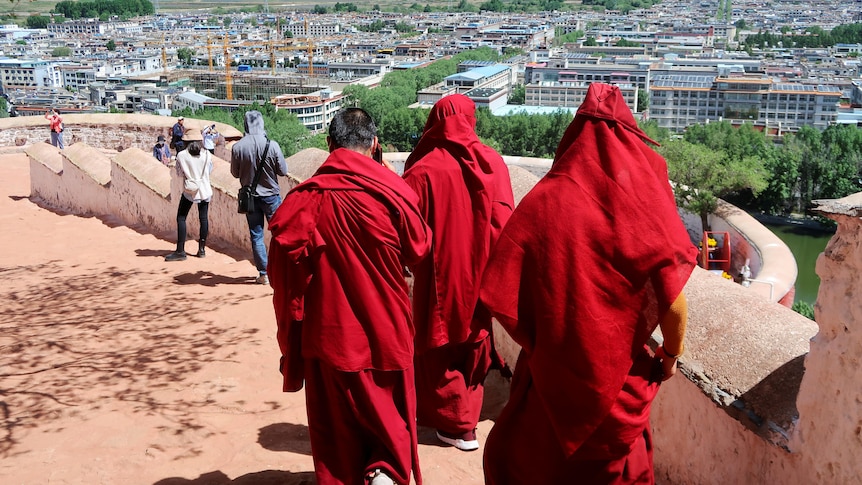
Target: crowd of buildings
681, 62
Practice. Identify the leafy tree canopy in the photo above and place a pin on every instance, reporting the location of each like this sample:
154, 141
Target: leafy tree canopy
95, 8
37, 22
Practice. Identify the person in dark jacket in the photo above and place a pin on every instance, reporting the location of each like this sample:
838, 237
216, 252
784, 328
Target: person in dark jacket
245, 161
161, 151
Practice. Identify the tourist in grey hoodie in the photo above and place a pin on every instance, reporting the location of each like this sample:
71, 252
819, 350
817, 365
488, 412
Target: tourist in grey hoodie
245, 160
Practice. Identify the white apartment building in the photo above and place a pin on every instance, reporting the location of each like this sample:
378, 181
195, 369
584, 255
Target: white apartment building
313, 29
571, 94
677, 101
78, 27
314, 110
28, 74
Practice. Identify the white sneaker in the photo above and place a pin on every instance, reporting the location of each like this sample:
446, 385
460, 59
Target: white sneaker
466, 442
379, 478
262, 280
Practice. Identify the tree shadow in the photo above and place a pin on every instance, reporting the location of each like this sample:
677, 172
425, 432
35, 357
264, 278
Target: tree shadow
207, 278
266, 477
285, 437
104, 336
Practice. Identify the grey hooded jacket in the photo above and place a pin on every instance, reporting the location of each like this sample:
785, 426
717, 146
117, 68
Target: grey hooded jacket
246, 153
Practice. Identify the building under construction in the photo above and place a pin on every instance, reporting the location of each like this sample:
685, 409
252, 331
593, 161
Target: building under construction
251, 85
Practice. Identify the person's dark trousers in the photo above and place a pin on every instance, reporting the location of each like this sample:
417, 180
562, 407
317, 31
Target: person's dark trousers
182, 213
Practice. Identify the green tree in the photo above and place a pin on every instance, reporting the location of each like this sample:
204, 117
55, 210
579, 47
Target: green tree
591, 42
702, 175
185, 54
643, 100
519, 94
4, 108
627, 43
111, 45
61, 52
37, 22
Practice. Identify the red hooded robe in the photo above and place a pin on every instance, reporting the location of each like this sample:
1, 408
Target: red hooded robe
465, 195
591, 259
340, 243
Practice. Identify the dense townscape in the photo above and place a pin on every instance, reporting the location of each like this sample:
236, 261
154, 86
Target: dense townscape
678, 62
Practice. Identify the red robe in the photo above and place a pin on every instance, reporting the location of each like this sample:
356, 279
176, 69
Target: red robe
340, 242
591, 259
465, 195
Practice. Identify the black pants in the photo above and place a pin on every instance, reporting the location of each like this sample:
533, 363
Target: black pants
182, 212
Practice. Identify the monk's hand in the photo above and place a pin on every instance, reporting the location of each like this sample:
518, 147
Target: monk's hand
668, 363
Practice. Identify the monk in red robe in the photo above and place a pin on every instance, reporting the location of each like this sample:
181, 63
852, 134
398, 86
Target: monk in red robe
592, 260
340, 242
465, 195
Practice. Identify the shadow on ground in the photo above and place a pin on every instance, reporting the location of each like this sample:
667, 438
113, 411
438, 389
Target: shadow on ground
285, 437
267, 477
53, 353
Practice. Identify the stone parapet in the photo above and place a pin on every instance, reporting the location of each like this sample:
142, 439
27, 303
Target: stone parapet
46, 166
104, 131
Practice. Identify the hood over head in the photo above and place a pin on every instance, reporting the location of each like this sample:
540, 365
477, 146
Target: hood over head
254, 123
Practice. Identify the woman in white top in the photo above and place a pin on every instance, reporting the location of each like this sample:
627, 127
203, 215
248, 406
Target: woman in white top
193, 166
210, 136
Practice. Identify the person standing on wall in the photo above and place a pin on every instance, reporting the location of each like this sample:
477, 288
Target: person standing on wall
194, 167
161, 151
210, 135
339, 245
245, 161
177, 133
465, 195
57, 128
581, 295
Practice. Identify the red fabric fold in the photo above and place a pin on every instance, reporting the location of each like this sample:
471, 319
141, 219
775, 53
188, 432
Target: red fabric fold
466, 197
340, 241
590, 260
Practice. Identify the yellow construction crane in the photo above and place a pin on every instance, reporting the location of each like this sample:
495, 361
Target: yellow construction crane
210, 52
227, 76
309, 48
164, 56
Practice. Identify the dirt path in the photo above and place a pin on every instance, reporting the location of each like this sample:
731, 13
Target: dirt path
117, 367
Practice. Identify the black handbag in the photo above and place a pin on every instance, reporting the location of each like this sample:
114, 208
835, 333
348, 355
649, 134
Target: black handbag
245, 196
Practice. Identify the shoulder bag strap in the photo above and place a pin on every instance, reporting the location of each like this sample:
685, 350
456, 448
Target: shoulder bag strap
260, 167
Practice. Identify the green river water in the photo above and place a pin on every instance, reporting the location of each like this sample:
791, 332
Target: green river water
806, 245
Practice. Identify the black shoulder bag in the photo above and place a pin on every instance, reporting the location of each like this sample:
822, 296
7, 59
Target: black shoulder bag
245, 197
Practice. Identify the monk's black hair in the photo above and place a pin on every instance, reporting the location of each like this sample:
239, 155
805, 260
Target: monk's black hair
352, 128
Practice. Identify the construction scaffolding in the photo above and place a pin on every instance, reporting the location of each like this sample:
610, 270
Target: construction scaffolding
253, 86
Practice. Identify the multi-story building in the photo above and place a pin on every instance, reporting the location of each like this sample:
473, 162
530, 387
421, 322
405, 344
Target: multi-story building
313, 29
677, 101
78, 27
314, 110
566, 72
498, 75
355, 70
570, 93
77, 78
28, 74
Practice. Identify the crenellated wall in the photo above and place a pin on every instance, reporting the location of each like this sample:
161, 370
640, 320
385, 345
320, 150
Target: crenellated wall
105, 132
730, 418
